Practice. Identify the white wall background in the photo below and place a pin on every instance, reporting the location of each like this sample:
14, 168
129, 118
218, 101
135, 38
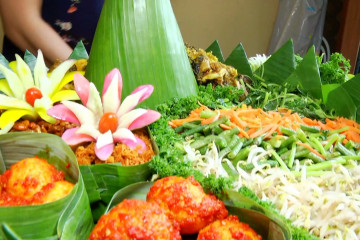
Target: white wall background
229, 21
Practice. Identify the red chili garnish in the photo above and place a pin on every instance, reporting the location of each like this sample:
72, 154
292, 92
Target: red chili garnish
107, 122
32, 94
67, 165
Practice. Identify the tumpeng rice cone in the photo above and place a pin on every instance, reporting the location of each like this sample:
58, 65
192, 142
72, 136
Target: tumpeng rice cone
143, 40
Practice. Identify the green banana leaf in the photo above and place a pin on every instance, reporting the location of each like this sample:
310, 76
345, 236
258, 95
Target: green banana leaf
280, 65
268, 228
103, 180
307, 75
239, 60
66, 218
280, 69
352, 86
348, 104
215, 49
79, 52
326, 89
30, 60
142, 39
341, 102
4, 62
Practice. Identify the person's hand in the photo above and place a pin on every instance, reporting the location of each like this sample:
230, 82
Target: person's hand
25, 27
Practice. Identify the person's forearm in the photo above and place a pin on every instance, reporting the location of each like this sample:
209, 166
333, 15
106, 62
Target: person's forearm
42, 36
24, 26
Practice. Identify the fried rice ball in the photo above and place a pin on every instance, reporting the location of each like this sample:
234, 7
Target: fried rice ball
136, 219
29, 176
229, 228
53, 192
186, 202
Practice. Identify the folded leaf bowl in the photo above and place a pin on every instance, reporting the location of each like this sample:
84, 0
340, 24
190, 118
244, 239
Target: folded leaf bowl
267, 226
67, 218
102, 181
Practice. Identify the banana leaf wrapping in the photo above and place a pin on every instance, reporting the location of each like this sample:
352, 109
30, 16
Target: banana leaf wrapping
142, 39
66, 218
267, 226
102, 181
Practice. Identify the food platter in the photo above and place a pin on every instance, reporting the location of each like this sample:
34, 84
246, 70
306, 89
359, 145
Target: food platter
277, 138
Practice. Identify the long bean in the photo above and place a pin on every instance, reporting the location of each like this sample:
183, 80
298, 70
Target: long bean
339, 130
301, 135
250, 166
242, 155
332, 155
333, 138
229, 133
190, 125
276, 141
207, 114
310, 173
232, 154
356, 158
193, 130
292, 155
315, 143
288, 141
325, 164
234, 140
278, 158
341, 148
287, 131
179, 129
315, 157
219, 141
311, 129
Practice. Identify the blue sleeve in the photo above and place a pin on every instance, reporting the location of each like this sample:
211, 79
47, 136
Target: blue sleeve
74, 20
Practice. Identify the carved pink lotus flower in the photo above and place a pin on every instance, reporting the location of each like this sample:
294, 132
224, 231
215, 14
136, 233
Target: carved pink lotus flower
105, 120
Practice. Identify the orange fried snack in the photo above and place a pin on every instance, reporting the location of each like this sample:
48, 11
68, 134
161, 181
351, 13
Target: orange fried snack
135, 219
186, 202
53, 192
28, 176
228, 229
32, 181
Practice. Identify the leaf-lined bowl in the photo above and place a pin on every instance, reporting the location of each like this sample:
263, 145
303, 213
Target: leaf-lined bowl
267, 226
66, 218
102, 181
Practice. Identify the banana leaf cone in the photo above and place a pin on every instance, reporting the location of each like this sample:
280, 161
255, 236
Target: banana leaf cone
142, 39
268, 226
67, 218
102, 181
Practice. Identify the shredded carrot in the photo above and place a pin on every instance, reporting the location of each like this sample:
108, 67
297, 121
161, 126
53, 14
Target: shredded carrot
225, 127
282, 109
234, 118
243, 133
261, 131
254, 122
178, 122
211, 119
172, 124
311, 149
272, 130
251, 131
